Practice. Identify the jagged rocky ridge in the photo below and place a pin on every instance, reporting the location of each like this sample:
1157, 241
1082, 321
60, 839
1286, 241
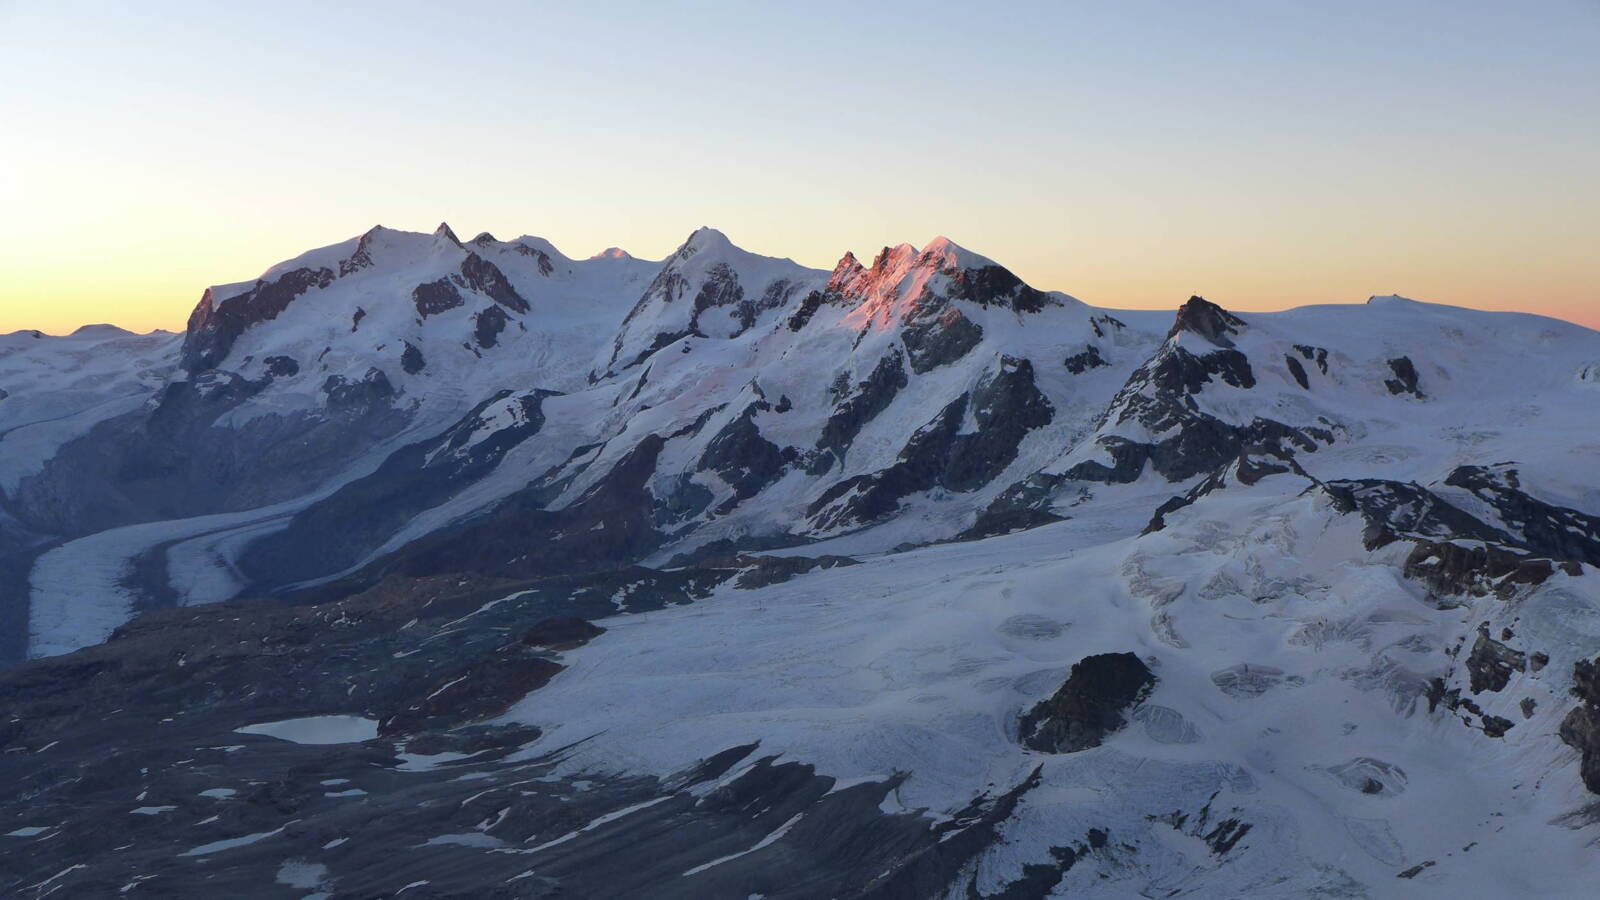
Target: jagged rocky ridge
749, 564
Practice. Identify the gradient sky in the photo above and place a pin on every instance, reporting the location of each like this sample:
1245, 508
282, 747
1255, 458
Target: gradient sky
1263, 154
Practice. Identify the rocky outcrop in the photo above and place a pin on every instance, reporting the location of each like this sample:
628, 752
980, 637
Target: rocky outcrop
487, 326
608, 527
181, 458
371, 391
217, 322
855, 406
1405, 377
743, 458
1580, 730
992, 285
1452, 569
1395, 509
411, 359
1491, 664
1195, 444
938, 337
1298, 371
1089, 706
1208, 320
341, 529
280, 366
487, 279
1179, 372
1090, 358
486, 688
1546, 529
434, 297
561, 633
1004, 406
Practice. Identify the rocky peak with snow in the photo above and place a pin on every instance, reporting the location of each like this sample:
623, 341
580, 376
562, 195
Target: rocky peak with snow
1201, 317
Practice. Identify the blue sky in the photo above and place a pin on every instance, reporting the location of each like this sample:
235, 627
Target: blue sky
1262, 154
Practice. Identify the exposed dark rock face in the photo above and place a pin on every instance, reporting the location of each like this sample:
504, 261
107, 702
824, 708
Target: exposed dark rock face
1492, 663
175, 461
487, 279
1210, 321
1554, 531
1405, 377
1159, 399
361, 258
1221, 833
1197, 444
994, 285
1316, 354
1005, 405
1298, 371
1496, 726
609, 526
546, 265
217, 322
445, 231
562, 633
808, 308
487, 687
1181, 372
939, 337
1451, 569
487, 325
934, 860
1104, 325
863, 403
993, 521
1024, 501
1580, 730
743, 458
764, 571
281, 366
19, 547
1089, 705
662, 340
1252, 465
777, 295
434, 297
720, 288
411, 359
1395, 509
371, 391
356, 519
1090, 358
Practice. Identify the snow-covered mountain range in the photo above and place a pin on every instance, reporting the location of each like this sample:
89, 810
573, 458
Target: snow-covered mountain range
720, 576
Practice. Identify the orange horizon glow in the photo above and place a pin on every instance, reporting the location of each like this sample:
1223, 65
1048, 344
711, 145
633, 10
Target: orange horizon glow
1262, 155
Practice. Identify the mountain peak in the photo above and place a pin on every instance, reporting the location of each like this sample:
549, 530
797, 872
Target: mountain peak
948, 254
1208, 320
891, 256
444, 231
702, 239
483, 237
100, 330
612, 253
